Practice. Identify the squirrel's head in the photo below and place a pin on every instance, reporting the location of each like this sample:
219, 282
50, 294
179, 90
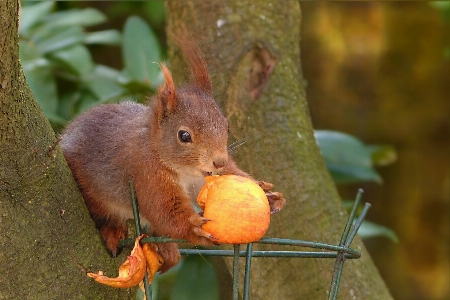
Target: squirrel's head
191, 132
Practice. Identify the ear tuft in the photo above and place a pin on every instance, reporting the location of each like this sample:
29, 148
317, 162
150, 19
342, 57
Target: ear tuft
192, 53
167, 92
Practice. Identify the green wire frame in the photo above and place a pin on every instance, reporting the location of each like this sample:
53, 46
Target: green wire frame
340, 252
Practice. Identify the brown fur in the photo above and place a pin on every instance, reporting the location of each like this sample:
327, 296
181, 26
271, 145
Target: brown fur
110, 144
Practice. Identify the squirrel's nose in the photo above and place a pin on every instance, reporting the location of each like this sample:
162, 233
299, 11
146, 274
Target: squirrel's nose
220, 162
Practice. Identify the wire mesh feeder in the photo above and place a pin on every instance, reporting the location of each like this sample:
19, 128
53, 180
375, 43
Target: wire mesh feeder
340, 252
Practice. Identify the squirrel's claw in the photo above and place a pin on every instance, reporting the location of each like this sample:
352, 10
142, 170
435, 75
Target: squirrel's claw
198, 220
200, 236
203, 233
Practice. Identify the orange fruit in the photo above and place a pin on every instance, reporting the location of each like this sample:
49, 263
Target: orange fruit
237, 208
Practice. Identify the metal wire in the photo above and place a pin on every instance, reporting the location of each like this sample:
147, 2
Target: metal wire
340, 252
346, 240
248, 265
137, 224
236, 272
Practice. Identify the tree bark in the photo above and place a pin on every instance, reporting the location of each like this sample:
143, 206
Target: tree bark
47, 238
253, 50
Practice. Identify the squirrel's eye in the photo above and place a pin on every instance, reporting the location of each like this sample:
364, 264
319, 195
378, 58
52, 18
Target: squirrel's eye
184, 136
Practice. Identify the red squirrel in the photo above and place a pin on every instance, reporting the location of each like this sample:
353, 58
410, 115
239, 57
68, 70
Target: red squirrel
166, 147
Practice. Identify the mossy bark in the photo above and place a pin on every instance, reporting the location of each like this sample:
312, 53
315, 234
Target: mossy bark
47, 238
253, 50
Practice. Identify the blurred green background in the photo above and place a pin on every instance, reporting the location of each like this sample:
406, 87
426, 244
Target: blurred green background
381, 71
378, 81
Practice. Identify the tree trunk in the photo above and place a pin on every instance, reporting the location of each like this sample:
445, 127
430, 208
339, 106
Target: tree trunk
46, 235
253, 50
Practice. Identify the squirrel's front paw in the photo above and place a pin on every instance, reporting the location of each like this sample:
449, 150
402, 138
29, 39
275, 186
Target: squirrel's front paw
200, 236
276, 199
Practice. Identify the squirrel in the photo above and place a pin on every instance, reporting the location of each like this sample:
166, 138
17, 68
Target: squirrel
167, 147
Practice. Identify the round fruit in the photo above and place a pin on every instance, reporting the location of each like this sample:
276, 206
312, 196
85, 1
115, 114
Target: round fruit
237, 208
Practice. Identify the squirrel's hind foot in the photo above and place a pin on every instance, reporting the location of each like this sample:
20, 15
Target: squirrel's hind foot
111, 237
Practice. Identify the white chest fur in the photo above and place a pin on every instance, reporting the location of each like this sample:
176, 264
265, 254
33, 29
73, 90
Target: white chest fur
192, 183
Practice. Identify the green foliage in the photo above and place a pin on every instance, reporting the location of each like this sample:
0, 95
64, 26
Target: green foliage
369, 229
346, 157
141, 53
58, 65
196, 279
154, 11
193, 278
444, 8
349, 161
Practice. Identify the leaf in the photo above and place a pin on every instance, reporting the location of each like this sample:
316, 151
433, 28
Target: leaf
76, 58
153, 259
87, 100
440, 5
351, 174
155, 11
346, 157
162, 283
67, 104
42, 84
59, 38
103, 83
105, 37
133, 85
370, 229
55, 118
196, 279
76, 17
382, 155
31, 15
141, 51
132, 271
28, 51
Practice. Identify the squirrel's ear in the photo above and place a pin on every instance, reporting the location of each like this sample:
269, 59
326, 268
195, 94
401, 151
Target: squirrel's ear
167, 92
